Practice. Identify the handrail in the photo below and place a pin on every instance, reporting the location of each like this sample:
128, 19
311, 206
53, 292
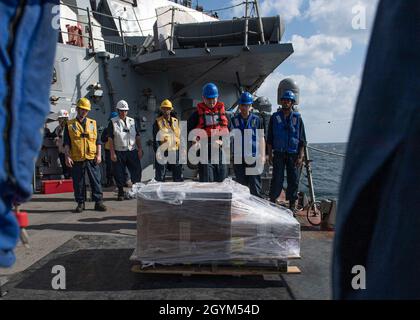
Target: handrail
98, 39
73, 20
172, 23
106, 28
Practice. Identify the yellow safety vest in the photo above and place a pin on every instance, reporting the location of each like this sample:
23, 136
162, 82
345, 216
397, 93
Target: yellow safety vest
170, 133
83, 142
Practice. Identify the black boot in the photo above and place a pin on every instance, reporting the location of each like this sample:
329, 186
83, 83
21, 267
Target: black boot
121, 194
292, 207
79, 208
99, 206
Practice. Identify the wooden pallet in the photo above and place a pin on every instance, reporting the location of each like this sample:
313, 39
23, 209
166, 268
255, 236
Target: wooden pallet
187, 270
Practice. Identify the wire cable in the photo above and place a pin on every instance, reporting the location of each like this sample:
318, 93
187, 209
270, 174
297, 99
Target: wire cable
327, 152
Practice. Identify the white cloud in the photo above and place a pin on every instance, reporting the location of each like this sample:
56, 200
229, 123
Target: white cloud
318, 50
324, 96
337, 17
288, 10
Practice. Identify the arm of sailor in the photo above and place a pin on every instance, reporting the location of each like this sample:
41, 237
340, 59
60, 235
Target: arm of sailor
270, 137
66, 138
155, 132
67, 146
138, 142
192, 121
302, 144
110, 130
302, 139
262, 142
98, 158
192, 124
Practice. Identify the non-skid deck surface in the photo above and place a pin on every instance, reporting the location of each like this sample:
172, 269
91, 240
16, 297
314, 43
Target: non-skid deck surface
95, 249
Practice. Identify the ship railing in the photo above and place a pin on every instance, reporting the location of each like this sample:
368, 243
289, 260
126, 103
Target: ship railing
118, 47
128, 48
245, 33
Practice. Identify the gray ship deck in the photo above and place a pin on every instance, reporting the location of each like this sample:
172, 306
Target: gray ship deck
95, 247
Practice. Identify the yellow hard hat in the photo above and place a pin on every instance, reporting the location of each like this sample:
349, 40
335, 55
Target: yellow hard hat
166, 104
83, 103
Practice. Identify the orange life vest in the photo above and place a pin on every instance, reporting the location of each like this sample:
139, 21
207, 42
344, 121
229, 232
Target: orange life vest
213, 120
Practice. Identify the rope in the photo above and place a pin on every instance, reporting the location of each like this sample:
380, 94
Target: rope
251, 14
226, 8
106, 28
327, 152
211, 10
149, 18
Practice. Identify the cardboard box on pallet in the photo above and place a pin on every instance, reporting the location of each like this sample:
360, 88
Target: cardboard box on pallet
221, 223
179, 225
263, 231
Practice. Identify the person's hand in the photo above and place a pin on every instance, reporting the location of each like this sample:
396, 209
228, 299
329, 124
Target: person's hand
113, 157
69, 162
140, 153
299, 162
98, 159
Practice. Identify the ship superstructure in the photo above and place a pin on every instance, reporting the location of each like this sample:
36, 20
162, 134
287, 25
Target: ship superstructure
146, 51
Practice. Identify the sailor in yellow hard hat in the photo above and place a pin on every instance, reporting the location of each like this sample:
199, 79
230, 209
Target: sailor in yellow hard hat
166, 143
82, 148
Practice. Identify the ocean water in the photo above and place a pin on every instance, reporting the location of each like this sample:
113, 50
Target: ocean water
326, 170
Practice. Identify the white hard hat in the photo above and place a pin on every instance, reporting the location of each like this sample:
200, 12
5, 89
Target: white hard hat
63, 114
122, 105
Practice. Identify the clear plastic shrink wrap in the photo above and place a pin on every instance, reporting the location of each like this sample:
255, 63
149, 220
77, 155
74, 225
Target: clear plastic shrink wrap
199, 223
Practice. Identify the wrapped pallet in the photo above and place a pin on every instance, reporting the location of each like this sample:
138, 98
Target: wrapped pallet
201, 223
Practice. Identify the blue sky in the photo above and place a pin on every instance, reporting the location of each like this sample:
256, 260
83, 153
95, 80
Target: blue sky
328, 59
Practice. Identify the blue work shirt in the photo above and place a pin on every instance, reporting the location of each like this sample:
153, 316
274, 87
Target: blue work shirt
378, 223
27, 50
253, 122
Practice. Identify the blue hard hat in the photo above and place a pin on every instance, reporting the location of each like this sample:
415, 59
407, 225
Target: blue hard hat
288, 94
210, 91
113, 114
246, 98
